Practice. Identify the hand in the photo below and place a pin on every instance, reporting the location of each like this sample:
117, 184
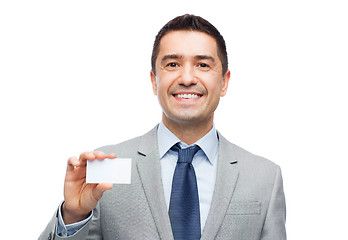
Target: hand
80, 198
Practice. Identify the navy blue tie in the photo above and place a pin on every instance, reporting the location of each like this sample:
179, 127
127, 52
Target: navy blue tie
184, 202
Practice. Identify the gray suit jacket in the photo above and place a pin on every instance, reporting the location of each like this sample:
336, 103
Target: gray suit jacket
248, 201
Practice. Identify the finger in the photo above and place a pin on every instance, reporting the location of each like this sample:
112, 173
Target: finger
86, 156
99, 155
100, 189
72, 163
111, 155
105, 186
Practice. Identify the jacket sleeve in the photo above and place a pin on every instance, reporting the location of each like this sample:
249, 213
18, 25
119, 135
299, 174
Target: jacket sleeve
90, 231
274, 225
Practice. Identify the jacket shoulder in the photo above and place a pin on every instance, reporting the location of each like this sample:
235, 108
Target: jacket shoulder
254, 159
246, 160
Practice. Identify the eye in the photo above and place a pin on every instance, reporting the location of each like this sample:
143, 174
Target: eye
203, 66
172, 65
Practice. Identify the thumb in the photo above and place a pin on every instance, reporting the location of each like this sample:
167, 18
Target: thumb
100, 189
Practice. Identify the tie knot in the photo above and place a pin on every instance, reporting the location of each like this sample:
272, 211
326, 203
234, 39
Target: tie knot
186, 154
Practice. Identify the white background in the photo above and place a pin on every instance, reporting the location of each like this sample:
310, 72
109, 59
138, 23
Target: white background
75, 76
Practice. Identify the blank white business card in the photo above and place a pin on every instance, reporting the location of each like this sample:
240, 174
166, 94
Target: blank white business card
115, 170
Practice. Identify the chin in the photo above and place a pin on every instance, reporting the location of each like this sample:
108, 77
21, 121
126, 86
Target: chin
187, 119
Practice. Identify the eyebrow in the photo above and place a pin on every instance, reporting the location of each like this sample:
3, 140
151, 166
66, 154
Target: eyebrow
197, 57
204, 57
170, 56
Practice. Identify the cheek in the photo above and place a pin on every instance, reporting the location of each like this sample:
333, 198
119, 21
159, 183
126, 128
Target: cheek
162, 91
213, 86
165, 81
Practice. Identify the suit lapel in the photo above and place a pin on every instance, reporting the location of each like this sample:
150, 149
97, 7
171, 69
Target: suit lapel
149, 169
226, 179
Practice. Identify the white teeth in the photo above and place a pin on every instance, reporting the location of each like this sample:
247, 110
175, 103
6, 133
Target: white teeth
188, 96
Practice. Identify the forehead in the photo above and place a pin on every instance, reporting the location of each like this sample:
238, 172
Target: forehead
187, 43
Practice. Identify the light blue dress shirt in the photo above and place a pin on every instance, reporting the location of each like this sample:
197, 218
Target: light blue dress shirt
204, 163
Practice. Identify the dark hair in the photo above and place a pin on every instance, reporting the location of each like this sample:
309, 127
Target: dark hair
191, 22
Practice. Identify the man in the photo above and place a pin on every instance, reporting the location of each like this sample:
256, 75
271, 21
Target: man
229, 193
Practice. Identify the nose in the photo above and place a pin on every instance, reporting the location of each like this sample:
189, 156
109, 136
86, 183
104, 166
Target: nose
187, 76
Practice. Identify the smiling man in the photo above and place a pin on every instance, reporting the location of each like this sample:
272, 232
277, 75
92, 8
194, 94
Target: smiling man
188, 181
188, 79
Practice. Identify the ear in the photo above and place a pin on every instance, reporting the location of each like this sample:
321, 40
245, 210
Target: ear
225, 81
154, 82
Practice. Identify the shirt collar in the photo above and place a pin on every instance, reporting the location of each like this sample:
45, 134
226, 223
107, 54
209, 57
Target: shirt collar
209, 143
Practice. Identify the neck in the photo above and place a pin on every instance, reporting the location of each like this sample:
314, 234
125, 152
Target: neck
187, 131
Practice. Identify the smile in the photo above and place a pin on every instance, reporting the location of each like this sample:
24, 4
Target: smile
187, 96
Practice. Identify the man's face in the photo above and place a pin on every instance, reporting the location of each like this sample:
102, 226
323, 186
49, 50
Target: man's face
188, 80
